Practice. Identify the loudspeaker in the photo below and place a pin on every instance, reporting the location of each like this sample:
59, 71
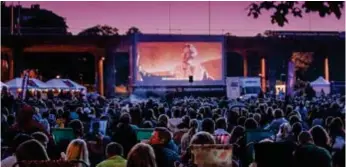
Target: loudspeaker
190, 78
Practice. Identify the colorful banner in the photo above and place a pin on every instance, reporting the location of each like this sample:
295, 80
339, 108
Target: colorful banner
212, 155
290, 78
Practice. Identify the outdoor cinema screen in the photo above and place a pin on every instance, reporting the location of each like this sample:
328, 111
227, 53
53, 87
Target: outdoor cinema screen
170, 63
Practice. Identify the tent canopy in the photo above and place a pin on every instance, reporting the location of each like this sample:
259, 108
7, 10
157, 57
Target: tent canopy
32, 83
57, 83
320, 81
64, 84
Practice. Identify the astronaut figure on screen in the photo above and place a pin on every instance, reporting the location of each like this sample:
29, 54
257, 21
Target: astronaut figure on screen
189, 53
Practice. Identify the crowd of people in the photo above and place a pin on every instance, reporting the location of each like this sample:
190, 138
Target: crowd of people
311, 127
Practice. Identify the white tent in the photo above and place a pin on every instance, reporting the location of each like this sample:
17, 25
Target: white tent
32, 84
15, 83
38, 83
64, 84
320, 84
57, 84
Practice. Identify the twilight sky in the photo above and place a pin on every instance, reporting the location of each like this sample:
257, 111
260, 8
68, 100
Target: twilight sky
186, 17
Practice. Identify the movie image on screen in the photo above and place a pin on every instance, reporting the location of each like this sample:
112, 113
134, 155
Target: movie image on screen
176, 61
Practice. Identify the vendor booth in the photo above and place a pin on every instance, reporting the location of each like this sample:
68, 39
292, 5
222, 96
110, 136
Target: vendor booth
320, 84
15, 85
65, 84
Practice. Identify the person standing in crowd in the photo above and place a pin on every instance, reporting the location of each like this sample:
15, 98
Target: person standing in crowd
124, 134
114, 153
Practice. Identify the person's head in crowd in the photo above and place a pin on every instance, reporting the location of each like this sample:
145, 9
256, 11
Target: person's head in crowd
162, 121
208, 125
193, 124
320, 136
77, 150
114, 149
317, 121
31, 150
296, 129
199, 116
149, 115
11, 120
176, 112
161, 136
77, 127
215, 116
147, 124
192, 113
95, 126
41, 137
19, 139
236, 134
141, 155
202, 138
221, 124
278, 114
284, 130
250, 123
241, 121
25, 115
336, 127
185, 121
327, 121
125, 118
161, 110
135, 114
257, 117
305, 138
293, 119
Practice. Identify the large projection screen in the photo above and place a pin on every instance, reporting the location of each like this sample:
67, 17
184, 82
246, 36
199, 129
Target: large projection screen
171, 63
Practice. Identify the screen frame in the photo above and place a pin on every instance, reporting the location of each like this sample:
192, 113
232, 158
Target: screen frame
138, 38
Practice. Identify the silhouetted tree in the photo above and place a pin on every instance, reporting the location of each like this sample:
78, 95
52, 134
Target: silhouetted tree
297, 9
133, 30
33, 20
99, 30
228, 34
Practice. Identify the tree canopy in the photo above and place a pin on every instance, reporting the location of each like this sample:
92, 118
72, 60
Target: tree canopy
99, 30
284, 8
133, 30
33, 20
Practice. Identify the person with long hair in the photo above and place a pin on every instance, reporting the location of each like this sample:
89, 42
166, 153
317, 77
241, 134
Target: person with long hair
141, 155
185, 140
77, 150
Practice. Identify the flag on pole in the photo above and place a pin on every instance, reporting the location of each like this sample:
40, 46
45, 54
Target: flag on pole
25, 84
